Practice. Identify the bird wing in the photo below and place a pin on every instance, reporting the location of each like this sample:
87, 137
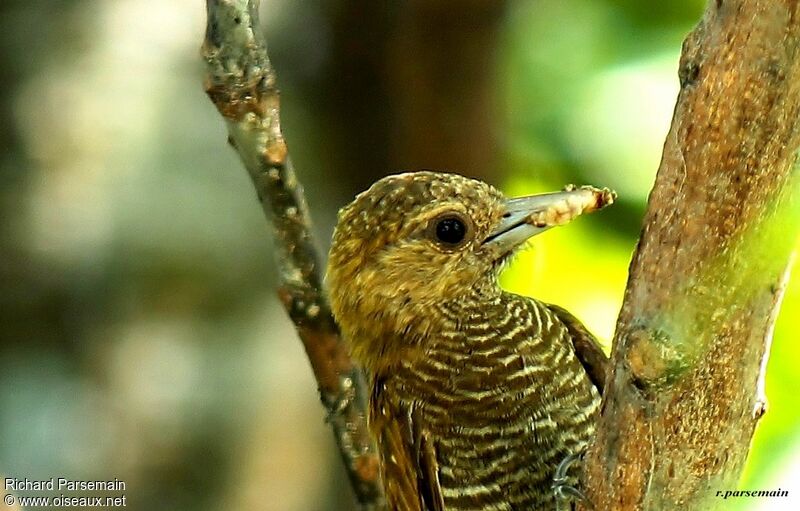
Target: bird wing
586, 347
430, 489
409, 461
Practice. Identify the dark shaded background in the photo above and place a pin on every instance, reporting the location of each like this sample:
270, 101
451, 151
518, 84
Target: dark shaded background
140, 337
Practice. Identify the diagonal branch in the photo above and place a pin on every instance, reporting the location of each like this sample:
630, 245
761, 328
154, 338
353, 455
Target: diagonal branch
241, 83
707, 277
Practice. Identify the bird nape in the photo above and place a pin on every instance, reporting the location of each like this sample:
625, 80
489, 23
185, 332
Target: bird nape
478, 394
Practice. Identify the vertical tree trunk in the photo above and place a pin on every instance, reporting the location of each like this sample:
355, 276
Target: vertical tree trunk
410, 85
442, 77
707, 277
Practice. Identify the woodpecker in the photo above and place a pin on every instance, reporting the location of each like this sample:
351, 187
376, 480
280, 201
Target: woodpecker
477, 394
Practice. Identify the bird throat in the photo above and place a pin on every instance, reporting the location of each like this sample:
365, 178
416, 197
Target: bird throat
403, 334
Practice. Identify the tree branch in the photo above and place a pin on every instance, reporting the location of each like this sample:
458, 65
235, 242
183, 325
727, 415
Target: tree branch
707, 278
241, 82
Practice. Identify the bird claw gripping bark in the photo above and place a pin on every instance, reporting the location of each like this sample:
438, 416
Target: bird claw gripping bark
564, 492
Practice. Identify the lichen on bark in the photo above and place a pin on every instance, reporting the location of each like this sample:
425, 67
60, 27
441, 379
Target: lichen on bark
707, 276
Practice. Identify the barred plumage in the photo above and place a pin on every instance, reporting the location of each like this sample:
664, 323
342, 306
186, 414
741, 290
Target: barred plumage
478, 394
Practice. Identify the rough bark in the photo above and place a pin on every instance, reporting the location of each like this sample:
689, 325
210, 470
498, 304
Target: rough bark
708, 274
241, 82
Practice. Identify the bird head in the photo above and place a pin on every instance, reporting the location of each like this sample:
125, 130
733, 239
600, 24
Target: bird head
414, 241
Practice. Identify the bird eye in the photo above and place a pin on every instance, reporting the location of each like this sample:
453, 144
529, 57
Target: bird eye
450, 230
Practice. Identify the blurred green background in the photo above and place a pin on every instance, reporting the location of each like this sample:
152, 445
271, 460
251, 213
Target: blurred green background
140, 335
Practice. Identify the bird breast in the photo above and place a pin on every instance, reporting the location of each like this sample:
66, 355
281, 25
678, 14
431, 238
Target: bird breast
504, 399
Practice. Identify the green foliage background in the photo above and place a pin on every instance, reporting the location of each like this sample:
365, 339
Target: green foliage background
141, 337
607, 73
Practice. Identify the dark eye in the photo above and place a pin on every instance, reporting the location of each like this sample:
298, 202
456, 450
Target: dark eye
450, 230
